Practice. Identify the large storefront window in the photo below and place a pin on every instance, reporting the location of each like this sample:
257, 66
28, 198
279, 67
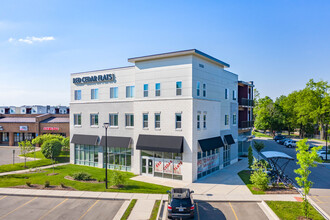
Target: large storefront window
165, 164
86, 155
207, 162
5, 137
226, 155
119, 158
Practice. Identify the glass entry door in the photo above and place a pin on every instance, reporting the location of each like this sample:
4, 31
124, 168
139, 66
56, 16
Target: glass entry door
147, 166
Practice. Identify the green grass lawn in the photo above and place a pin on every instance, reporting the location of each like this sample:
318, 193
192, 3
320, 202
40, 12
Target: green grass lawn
259, 134
64, 156
128, 210
291, 210
155, 209
245, 176
130, 186
20, 166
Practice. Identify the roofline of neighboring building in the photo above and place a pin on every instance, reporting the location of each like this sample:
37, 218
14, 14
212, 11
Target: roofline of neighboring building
179, 53
124, 67
247, 83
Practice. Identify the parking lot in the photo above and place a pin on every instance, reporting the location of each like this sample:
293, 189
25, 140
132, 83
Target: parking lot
21, 207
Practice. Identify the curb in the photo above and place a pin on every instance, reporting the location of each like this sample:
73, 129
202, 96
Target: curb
122, 210
268, 211
160, 208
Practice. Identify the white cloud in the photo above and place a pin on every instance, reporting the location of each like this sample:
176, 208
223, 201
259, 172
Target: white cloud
31, 40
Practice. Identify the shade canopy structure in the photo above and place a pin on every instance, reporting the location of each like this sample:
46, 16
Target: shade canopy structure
85, 139
211, 143
274, 157
161, 143
229, 139
122, 142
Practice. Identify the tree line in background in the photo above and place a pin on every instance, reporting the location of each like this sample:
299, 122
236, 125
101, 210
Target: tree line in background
307, 110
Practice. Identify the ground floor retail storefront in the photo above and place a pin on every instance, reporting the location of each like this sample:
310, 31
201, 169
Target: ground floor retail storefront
153, 155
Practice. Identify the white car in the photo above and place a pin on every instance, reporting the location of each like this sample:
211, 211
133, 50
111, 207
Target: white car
322, 154
290, 143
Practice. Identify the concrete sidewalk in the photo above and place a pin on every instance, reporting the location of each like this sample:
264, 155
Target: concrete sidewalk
32, 169
142, 209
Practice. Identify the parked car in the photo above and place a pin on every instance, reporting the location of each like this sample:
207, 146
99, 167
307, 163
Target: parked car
322, 154
290, 143
282, 141
181, 204
279, 137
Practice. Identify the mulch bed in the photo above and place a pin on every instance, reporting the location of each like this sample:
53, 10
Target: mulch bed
37, 186
83, 181
304, 218
281, 190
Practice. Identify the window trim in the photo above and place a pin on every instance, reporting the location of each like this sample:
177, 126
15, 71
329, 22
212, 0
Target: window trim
74, 119
90, 117
176, 121
131, 90
198, 125
113, 114
234, 95
234, 121
157, 90
146, 91
130, 120
147, 121
198, 88
155, 115
115, 88
204, 90
226, 119
96, 94
204, 120
76, 97
178, 90
226, 93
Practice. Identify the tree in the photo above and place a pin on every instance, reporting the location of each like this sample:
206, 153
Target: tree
25, 147
250, 157
45, 137
66, 144
305, 159
259, 177
258, 146
51, 148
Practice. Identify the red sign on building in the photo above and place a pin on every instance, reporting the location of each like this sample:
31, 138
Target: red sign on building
51, 128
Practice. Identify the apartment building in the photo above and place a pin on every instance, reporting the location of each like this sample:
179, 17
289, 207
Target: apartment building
172, 115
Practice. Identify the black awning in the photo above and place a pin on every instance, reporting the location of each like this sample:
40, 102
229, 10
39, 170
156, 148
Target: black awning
211, 143
229, 139
116, 141
85, 139
173, 144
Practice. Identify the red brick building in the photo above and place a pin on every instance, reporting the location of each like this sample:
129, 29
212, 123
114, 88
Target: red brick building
18, 127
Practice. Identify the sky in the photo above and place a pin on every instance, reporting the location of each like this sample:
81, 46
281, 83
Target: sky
278, 44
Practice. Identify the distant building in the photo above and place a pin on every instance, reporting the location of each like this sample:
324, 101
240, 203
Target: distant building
34, 109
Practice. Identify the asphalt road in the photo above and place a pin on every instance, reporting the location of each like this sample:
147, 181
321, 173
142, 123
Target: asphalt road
6, 155
320, 175
30, 208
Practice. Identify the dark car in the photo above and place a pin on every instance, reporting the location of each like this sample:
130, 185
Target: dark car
180, 203
283, 140
279, 137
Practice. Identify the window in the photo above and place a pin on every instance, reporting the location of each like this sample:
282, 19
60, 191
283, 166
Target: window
94, 93
130, 91
77, 119
234, 119
226, 93
86, 155
198, 120
204, 120
129, 120
204, 89
145, 90
178, 120
179, 88
113, 120
157, 89
77, 94
157, 120
198, 88
226, 120
234, 94
119, 158
113, 92
94, 119
201, 65
145, 120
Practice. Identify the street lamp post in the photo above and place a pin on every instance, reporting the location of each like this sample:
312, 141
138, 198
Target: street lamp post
106, 125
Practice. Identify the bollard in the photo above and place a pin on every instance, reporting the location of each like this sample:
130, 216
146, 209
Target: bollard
13, 156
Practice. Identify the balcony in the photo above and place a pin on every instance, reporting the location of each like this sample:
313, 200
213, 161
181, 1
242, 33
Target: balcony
245, 124
246, 102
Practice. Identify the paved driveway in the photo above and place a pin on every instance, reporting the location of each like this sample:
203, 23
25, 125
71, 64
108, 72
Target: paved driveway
28, 208
6, 155
320, 192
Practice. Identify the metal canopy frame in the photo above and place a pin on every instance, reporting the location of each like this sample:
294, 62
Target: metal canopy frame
273, 158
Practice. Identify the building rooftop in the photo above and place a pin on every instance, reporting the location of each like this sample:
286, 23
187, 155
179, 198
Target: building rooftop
180, 53
17, 120
56, 120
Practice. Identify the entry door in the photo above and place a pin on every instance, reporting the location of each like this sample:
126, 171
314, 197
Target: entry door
147, 166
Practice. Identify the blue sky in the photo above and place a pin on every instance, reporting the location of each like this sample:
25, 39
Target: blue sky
278, 44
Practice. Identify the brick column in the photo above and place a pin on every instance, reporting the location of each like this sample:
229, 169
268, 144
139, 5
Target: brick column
11, 139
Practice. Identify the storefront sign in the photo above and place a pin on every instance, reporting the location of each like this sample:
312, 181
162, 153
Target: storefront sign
51, 129
168, 166
23, 128
91, 79
159, 165
177, 167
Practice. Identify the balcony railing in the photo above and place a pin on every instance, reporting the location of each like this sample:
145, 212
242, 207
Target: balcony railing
245, 124
245, 102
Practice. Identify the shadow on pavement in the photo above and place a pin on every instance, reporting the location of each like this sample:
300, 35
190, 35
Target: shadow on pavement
207, 211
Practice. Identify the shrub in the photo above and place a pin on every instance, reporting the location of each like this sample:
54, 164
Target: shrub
47, 183
66, 144
259, 177
51, 148
118, 178
28, 183
62, 185
81, 176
